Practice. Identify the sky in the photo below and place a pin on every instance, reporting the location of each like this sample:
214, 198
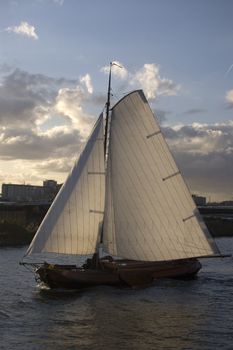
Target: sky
54, 59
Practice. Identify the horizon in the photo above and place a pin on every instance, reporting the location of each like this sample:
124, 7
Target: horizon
54, 64
208, 199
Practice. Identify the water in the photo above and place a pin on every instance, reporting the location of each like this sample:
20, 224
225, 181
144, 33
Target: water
171, 314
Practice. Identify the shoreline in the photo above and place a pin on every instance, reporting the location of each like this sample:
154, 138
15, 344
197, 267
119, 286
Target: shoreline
12, 235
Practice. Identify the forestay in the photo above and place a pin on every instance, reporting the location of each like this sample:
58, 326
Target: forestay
149, 212
74, 220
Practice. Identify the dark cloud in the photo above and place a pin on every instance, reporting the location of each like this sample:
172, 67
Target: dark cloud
210, 173
195, 111
169, 133
229, 106
5, 68
16, 109
21, 93
204, 154
188, 131
161, 115
26, 100
28, 144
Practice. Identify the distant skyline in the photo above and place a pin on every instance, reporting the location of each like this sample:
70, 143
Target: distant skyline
54, 59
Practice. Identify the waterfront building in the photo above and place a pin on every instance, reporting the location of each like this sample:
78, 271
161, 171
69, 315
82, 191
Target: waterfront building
30, 193
199, 200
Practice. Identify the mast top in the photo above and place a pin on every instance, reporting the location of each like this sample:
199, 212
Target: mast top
109, 86
108, 103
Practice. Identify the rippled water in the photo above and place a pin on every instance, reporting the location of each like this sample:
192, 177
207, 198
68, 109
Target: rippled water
171, 314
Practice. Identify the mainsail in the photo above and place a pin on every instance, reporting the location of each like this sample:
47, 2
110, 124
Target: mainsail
149, 212
73, 222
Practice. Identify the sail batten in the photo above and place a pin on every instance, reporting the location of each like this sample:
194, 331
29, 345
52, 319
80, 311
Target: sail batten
147, 199
68, 226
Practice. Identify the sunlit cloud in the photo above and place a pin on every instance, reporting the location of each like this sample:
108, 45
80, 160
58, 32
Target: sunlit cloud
118, 70
23, 29
30, 106
147, 78
229, 98
86, 80
69, 103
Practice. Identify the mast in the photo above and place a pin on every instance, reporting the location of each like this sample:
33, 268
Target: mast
106, 132
107, 110
107, 123
108, 106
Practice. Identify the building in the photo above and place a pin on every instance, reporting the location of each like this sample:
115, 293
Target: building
30, 193
199, 200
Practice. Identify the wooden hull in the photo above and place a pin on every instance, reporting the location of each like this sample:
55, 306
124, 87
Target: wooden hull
116, 273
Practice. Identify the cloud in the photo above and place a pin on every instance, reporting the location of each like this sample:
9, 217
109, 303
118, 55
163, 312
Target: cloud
195, 111
204, 153
23, 29
69, 104
86, 80
30, 106
118, 70
203, 138
161, 115
59, 165
21, 143
229, 98
26, 99
59, 2
19, 96
146, 78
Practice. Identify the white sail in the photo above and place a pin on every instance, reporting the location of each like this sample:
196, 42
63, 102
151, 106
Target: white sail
149, 212
73, 222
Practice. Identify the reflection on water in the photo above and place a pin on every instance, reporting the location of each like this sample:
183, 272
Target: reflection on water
116, 319
169, 315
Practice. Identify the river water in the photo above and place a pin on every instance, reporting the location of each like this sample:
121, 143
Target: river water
170, 314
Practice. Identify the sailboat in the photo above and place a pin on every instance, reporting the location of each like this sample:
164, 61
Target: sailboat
126, 205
